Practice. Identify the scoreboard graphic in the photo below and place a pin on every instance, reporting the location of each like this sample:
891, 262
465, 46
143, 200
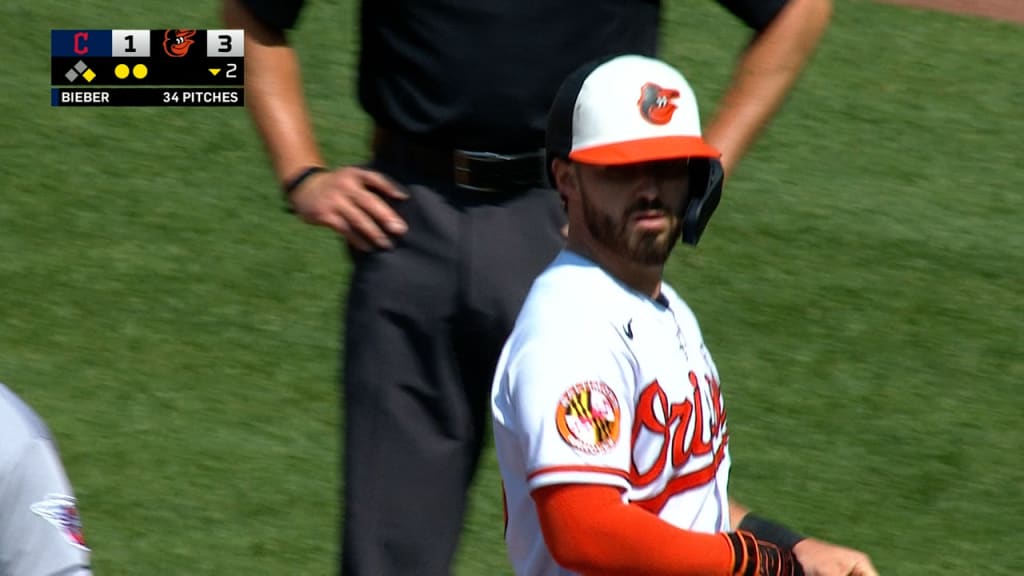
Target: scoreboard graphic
176, 67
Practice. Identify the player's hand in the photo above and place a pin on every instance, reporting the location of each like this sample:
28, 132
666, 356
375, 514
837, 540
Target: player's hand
823, 559
350, 200
753, 557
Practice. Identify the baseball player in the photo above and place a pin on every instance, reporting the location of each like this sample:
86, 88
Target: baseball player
40, 531
451, 217
609, 419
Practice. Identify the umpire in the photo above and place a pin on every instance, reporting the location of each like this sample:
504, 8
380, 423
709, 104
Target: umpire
451, 218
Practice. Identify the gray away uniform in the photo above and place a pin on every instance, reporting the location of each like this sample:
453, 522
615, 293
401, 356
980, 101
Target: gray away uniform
40, 532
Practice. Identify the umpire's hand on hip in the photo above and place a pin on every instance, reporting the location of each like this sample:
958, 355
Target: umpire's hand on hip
820, 558
350, 200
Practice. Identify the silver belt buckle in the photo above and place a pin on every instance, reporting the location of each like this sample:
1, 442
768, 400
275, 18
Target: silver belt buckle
463, 161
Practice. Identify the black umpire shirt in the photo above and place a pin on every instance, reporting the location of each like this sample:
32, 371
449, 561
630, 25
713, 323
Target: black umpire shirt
480, 74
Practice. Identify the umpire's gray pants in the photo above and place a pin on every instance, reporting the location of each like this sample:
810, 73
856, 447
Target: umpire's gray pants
425, 324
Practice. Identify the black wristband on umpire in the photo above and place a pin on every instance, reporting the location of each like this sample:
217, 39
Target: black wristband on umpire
770, 531
293, 184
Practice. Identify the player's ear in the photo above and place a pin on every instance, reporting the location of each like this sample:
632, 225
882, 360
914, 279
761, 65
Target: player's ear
566, 177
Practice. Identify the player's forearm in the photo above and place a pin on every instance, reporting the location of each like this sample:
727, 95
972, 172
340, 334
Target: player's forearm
273, 94
589, 530
766, 72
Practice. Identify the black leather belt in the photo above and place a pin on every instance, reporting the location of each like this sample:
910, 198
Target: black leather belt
476, 171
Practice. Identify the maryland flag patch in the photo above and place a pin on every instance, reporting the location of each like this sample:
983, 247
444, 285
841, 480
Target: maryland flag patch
588, 417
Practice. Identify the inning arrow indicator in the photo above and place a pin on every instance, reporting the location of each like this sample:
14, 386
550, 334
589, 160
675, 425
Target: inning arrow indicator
214, 71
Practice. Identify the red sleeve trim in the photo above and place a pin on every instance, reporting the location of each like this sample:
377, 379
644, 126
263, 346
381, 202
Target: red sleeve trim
589, 469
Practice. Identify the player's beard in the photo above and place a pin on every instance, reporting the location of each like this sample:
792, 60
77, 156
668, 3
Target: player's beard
649, 248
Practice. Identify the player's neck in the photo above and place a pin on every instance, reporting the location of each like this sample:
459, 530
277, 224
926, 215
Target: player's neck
645, 279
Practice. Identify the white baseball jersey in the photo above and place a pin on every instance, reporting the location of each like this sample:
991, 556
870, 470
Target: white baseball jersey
599, 384
40, 532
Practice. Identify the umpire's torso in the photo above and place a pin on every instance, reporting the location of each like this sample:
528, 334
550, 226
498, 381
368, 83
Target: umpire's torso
480, 74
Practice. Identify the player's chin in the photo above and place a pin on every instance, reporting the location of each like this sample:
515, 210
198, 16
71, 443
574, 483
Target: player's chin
652, 248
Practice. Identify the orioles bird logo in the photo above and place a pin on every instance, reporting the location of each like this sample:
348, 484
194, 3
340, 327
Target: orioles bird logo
656, 103
176, 42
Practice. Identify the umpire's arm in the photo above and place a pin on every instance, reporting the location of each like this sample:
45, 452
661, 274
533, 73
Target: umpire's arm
786, 36
273, 83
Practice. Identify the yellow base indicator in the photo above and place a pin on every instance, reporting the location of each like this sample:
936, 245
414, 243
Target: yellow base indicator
89, 75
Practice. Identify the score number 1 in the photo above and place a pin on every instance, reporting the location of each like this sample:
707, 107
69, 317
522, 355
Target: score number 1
129, 43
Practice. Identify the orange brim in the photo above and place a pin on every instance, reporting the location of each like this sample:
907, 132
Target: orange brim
646, 150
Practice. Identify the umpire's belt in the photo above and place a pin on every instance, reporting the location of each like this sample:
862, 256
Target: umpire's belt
467, 169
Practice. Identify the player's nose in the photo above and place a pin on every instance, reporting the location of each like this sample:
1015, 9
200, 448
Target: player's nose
645, 187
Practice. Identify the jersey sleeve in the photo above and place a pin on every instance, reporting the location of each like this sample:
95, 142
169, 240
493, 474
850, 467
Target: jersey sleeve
757, 14
40, 531
274, 13
573, 411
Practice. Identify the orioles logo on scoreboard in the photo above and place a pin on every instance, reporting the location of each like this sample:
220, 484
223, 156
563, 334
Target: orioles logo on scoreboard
177, 42
587, 417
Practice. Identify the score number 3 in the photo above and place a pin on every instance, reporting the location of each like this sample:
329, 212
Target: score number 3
225, 43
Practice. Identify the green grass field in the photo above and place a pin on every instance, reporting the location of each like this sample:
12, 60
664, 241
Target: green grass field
861, 287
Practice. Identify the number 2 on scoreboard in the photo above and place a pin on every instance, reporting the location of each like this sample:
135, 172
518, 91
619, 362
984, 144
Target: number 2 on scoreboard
230, 73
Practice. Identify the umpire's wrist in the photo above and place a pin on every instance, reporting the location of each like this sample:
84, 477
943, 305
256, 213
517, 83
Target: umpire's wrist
769, 531
289, 187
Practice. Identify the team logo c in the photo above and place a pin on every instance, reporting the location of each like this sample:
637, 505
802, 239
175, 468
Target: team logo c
177, 42
656, 104
81, 43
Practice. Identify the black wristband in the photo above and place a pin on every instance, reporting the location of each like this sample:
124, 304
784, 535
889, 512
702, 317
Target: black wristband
769, 531
291, 185
294, 183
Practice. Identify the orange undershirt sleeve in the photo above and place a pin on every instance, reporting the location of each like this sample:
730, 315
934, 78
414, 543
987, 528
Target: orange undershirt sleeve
588, 529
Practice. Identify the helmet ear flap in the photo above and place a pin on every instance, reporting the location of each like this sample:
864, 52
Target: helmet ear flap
706, 179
